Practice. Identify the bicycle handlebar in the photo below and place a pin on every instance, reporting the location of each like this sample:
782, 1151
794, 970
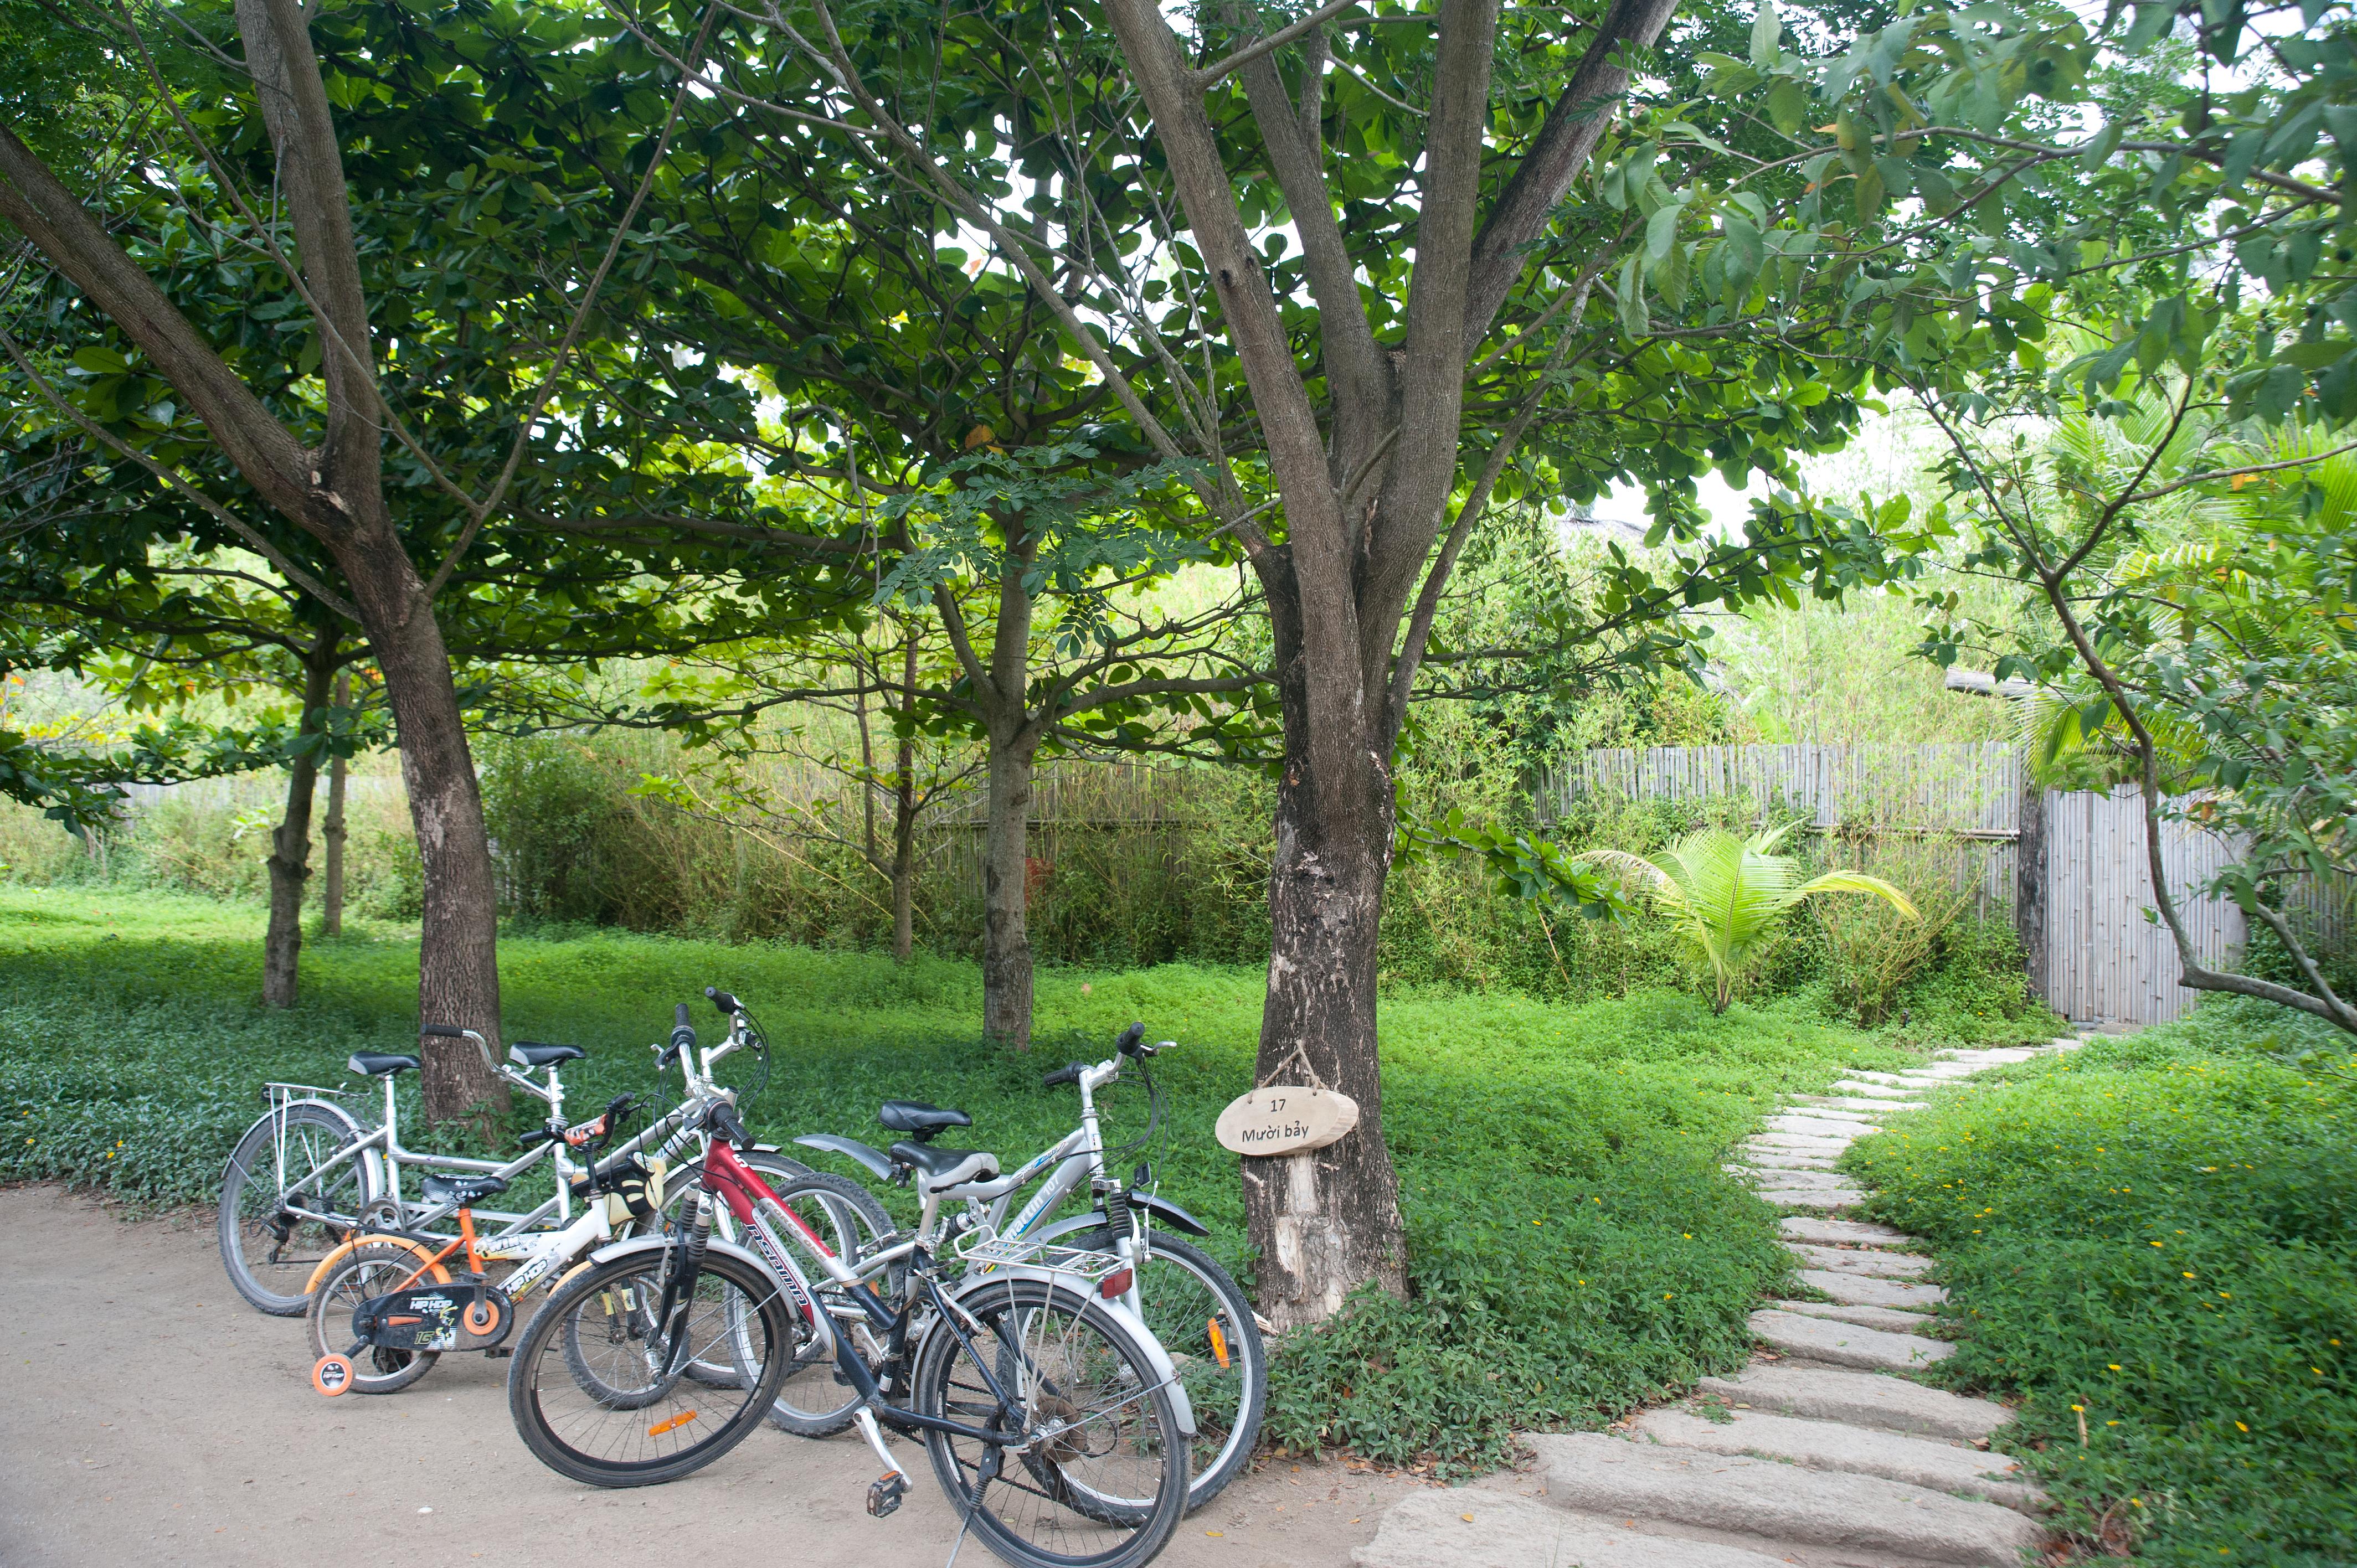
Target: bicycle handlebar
1069, 1073
720, 999
442, 1031
722, 1120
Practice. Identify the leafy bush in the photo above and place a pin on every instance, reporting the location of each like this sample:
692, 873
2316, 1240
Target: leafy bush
1574, 1248
1872, 948
2161, 1229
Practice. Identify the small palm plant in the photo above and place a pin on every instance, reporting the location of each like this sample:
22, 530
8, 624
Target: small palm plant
1728, 896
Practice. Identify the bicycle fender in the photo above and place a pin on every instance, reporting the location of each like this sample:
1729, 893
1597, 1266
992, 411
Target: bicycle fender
1157, 1358
874, 1159
418, 1249
1164, 1211
349, 1119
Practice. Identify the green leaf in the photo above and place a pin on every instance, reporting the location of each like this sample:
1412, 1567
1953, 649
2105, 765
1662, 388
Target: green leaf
1662, 231
1788, 106
101, 361
2316, 356
1674, 276
1869, 193
1767, 27
1633, 319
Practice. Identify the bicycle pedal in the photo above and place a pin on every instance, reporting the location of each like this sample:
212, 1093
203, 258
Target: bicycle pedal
499, 1352
884, 1494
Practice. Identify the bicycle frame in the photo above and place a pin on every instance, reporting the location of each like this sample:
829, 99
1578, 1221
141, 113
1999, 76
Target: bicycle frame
750, 1201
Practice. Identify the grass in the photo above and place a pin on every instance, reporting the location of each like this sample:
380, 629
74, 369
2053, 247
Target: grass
2159, 1232
1575, 1247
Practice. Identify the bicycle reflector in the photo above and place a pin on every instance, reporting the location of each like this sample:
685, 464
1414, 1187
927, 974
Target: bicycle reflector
1218, 1341
1116, 1284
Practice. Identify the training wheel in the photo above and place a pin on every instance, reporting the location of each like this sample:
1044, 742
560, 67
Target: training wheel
332, 1375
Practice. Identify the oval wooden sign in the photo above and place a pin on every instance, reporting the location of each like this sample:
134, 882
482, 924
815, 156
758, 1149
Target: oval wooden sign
1285, 1118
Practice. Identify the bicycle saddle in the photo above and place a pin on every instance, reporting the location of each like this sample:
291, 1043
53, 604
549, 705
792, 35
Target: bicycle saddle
531, 1053
376, 1064
946, 1167
923, 1121
462, 1189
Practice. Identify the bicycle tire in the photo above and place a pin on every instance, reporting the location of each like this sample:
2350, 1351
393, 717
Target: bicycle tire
1230, 1402
366, 1270
1070, 1357
317, 1132
553, 1414
812, 1402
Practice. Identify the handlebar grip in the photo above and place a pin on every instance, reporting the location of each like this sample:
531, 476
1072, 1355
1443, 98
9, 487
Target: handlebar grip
1069, 1073
442, 1031
722, 1120
720, 999
536, 1138
1128, 1044
679, 1016
683, 1033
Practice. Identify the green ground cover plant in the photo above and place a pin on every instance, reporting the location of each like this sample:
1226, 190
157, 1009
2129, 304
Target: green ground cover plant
1576, 1247
2160, 1233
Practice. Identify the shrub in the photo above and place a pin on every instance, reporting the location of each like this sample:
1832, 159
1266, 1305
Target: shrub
2161, 1229
1872, 949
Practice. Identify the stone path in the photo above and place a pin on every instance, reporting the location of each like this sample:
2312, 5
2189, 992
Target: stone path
1821, 1453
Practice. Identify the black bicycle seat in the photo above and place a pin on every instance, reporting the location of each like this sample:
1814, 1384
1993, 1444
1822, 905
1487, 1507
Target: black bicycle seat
462, 1189
376, 1064
531, 1053
922, 1120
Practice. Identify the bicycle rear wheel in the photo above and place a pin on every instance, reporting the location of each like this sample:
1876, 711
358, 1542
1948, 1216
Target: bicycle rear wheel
599, 1390
369, 1270
814, 1401
1204, 1320
270, 1254
1097, 1478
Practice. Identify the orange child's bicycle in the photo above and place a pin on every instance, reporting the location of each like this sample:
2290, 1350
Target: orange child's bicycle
387, 1304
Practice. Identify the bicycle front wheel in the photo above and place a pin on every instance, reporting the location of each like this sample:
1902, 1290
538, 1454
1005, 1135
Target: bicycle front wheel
1071, 1456
1203, 1319
287, 1160
600, 1389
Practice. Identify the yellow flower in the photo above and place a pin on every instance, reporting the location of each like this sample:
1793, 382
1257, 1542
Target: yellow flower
2240, 1427
2115, 1366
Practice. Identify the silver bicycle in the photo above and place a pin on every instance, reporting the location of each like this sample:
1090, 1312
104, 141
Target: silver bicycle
1186, 1303
309, 1172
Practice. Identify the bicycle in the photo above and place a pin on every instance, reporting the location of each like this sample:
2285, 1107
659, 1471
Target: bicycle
369, 1296
1182, 1295
1027, 1378
305, 1177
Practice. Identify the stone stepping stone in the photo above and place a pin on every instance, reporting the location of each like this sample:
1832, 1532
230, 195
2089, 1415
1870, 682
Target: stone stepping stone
1862, 1261
1887, 1317
1774, 1502
1861, 1399
1856, 1105
1866, 1290
1846, 1344
1428, 1529
1794, 1178
1884, 1078
1861, 1450
1831, 1232
1784, 1160
1799, 1143
1824, 1200
1882, 1093
1819, 1126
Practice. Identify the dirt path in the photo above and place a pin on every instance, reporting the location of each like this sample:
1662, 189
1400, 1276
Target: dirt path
150, 1416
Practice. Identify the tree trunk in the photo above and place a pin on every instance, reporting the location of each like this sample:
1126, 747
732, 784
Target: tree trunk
290, 842
904, 814
2029, 879
331, 833
1327, 1222
1005, 866
458, 975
